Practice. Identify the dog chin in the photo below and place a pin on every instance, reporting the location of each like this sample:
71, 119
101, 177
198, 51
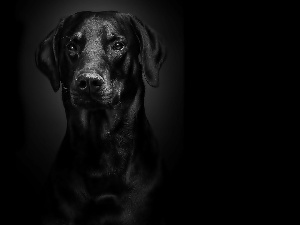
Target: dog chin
90, 104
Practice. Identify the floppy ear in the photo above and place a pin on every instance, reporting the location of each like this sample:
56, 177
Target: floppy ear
46, 57
152, 51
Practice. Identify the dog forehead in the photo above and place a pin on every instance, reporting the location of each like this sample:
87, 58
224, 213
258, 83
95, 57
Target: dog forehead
94, 25
97, 26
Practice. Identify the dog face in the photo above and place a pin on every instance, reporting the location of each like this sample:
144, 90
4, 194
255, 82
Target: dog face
99, 58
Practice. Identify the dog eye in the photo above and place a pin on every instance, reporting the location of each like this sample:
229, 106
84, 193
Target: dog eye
72, 48
118, 46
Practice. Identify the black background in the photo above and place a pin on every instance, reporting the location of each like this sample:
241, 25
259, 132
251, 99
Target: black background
33, 119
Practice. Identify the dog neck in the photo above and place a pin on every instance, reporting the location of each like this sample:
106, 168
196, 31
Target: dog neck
104, 137
98, 126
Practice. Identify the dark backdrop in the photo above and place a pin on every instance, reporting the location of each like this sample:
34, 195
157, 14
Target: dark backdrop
33, 118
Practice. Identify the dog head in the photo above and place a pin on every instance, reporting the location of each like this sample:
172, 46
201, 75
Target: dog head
100, 58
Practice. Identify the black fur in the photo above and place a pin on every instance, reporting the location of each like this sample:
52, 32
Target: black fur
108, 169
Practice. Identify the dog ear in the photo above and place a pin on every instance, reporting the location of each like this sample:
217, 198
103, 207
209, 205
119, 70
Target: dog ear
46, 57
152, 51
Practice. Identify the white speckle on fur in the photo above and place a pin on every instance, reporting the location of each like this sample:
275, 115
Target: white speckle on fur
78, 35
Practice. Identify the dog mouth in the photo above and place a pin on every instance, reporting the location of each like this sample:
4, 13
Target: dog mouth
89, 101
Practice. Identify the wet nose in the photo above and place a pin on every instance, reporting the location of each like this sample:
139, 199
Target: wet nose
89, 82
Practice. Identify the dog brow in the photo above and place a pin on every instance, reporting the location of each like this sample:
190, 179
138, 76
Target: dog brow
77, 35
114, 37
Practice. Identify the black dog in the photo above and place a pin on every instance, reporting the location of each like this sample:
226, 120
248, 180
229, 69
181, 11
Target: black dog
108, 168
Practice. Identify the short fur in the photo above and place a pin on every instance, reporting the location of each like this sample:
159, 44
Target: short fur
108, 168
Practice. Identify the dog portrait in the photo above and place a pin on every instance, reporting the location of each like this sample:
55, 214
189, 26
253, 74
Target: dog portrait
108, 168
101, 113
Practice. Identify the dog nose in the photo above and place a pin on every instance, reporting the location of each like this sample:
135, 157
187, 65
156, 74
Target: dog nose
89, 83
